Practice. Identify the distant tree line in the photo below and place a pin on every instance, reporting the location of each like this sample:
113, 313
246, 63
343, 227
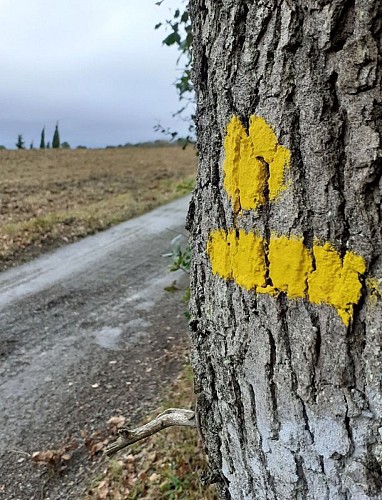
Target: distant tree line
155, 144
56, 143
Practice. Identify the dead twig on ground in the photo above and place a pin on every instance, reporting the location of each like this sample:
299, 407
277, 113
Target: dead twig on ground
169, 418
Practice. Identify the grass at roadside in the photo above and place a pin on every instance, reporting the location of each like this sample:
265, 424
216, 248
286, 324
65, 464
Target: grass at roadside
52, 197
165, 466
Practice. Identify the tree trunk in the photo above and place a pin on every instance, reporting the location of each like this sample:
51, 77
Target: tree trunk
285, 224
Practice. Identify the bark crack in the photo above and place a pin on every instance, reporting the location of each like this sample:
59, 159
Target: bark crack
349, 431
302, 487
273, 44
240, 413
316, 355
270, 482
343, 25
266, 209
340, 178
270, 369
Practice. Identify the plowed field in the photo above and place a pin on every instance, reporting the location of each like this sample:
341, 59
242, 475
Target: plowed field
52, 197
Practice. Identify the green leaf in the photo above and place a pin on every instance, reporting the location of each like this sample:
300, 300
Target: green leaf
171, 39
175, 27
157, 26
184, 18
171, 288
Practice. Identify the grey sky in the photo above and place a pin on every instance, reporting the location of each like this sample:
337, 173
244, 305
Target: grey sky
96, 66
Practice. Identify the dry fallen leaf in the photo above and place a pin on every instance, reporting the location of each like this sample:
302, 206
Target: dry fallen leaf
54, 457
103, 490
115, 423
142, 475
44, 456
94, 443
154, 477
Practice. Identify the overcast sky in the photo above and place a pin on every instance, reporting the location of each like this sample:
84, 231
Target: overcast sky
96, 66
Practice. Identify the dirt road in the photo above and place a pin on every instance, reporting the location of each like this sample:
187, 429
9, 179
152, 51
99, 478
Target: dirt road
86, 333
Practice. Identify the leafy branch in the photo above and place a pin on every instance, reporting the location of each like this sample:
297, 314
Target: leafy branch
179, 34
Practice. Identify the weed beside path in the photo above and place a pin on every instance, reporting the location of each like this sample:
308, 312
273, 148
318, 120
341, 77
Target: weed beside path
53, 197
167, 465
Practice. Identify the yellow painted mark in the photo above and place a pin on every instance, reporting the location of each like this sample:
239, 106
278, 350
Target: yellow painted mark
290, 263
254, 170
229, 252
336, 281
322, 277
278, 167
254, 164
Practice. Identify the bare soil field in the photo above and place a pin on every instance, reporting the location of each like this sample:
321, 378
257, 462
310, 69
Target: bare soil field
52, 197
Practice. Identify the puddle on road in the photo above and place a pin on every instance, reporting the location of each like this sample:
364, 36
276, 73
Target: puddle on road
108, 337
138, 322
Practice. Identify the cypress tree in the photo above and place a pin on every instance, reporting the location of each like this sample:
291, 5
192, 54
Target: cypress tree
42, 142
20, 142
56, 138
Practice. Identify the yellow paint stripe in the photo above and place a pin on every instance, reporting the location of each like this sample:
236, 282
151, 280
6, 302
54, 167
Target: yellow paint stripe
229, 257
320, 276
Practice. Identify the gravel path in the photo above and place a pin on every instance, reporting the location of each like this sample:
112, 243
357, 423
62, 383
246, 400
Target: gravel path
86, 333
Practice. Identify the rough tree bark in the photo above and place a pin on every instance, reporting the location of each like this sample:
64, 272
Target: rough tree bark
285, 227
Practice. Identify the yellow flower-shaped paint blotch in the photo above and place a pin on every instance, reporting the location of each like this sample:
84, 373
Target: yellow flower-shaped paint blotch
254, 164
